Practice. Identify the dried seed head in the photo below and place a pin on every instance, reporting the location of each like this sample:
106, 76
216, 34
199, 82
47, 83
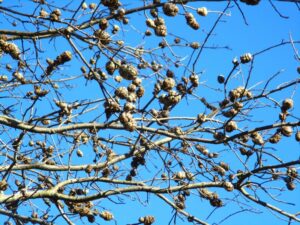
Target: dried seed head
275, 138
170, 9
202, 11
247, 57
106, 215
221, 79
103, 24
160, 30
231, 126
150, 23
287, 104
128, 71
103, 37
168, 84
287, 131
84, 6
195, 45
79, 153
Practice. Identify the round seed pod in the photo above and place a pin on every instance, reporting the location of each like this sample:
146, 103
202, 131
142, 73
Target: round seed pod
287, 131
170, 9
202, 11
287, 104
231, 126
106, 215
168, 84
103, 24
160, 30
195, 45
221, 79
103, 37
150, 23
275, 138
290, 185
121, 92
128, 71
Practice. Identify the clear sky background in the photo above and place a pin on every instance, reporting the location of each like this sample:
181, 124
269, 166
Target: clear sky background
231, 38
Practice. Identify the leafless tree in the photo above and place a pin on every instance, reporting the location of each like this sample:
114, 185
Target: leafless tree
93, 118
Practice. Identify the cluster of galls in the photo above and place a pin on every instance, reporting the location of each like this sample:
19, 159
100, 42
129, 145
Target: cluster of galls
54, 15
137, 160
159, 26
292, 174
60, 60
211, 196
147, 220
9, 48
83, 209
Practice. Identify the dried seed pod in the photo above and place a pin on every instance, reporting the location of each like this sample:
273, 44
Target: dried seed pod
290, 185
103, 24
140, 92
121, 92
195, 45
3, 185
202, 149
179, 175
103, 37
79, 153
247, 57
202, 11
161, 31
219, 136
191, 21
106, 215
168, 84
55, 15
147, 220
150, 23
10, 48
275, 138
297, 136
224, 165
110, 67
170, 9
221, 79
287, 131
287, 104
128, 71
43, 13
84, 6
231, 126
220, 170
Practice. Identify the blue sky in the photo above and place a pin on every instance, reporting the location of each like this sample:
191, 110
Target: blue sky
231, 38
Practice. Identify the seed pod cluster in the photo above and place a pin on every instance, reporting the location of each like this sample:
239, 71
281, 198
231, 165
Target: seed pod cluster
191, 21
10, 48
292, 174
257, 138
19, 76
147, 220
239, 92
211, 196
287, 131
112, 4
39, 91
84, 209
106, 215
55, 15
286, 105
275, 138
61, 59
103, 37
111, 106
228, 186
246, 58
231, 126
170, 9
128, 121
128, 71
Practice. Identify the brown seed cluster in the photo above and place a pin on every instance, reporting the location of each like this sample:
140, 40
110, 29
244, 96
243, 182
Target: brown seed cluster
103, 37
128, 71
247, 57
211, 196
9, 48
60, 60
191, 21
128, 121
147, 220
202, 11
55, 15
170, 9
106, 215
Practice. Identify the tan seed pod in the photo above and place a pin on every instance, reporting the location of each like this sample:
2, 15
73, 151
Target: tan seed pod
147, 220
150, 23
168, 84
170, 9
195, 45
247, 57
121, 92
275, 138
287, 104
202, 11
79, 153
287, 131
290, 185
231, 126
84, 6
128, 71
106, 215
103, 37
161, 31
